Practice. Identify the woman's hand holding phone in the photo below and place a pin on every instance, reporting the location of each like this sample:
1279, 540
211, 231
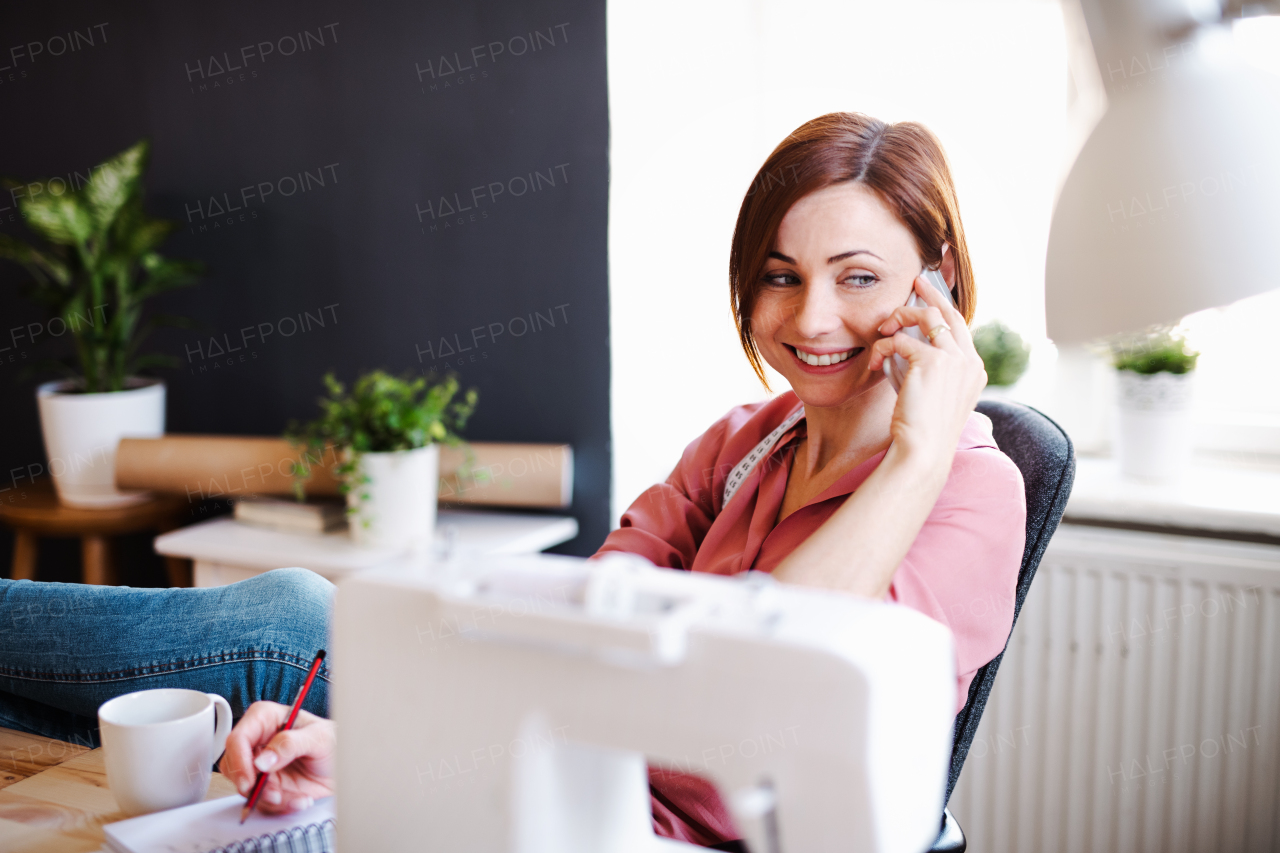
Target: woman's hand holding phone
885, 514
943, 382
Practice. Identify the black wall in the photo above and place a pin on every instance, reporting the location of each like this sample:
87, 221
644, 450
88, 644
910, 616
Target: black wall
319, 156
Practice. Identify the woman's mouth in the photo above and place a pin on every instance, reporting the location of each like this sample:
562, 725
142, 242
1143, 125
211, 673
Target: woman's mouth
826, 359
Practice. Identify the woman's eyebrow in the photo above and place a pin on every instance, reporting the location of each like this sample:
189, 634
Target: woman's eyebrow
835, 259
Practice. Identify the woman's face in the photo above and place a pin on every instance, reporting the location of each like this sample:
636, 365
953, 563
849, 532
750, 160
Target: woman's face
839, 266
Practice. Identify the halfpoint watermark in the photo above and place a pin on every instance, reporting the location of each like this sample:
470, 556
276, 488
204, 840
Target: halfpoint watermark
725, 753
448, 210
237, 66
1158, 205
460, 67
249, 482
1171, 621
219, 352
458, 766
1135, 773
1135, 71
15, 353
21, 58
222, 211
462, 348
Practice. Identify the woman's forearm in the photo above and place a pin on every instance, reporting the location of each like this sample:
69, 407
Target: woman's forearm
860, 546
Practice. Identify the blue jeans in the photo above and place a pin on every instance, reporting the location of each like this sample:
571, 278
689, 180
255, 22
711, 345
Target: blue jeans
67, 648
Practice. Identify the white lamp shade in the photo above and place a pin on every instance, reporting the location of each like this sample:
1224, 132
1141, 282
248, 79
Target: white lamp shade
1173, 205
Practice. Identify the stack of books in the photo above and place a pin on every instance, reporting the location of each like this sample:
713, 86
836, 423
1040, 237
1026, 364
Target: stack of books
312, 516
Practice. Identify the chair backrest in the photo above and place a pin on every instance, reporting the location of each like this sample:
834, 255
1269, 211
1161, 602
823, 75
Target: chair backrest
1044, 454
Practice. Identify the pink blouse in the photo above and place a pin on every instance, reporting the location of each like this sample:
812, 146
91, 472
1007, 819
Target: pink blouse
962, 569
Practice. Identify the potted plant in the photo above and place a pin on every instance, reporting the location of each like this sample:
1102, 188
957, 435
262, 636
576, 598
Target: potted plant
1154, 374
1004, 356
387, 432
97, 266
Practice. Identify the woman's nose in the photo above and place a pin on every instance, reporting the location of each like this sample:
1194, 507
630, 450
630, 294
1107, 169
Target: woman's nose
817, 311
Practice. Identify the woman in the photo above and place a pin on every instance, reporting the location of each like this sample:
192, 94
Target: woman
890, 495
855, 488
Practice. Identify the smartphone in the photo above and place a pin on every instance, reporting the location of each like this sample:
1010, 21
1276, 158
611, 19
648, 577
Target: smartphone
896, 367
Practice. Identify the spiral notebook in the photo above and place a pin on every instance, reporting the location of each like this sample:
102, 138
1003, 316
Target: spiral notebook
214, 827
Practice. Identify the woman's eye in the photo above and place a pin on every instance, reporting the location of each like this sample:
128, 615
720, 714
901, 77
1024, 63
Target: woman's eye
861, 280
781, 279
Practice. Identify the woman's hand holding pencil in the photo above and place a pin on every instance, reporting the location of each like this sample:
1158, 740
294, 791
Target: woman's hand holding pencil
298, 762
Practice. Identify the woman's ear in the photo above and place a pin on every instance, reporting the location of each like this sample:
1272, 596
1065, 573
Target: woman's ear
948, 267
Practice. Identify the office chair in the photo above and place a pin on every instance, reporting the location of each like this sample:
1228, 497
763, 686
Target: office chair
1044, 454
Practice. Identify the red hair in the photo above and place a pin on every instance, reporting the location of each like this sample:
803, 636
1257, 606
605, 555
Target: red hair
903, 163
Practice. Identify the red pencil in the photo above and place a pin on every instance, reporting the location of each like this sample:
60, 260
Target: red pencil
293, 715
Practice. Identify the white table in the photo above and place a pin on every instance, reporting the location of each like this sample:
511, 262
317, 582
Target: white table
225, 551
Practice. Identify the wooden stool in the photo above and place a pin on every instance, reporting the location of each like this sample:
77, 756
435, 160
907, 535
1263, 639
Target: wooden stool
40, 514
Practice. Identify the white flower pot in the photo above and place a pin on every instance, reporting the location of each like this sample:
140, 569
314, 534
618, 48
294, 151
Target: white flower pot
81, 432
396, 508
1154, 430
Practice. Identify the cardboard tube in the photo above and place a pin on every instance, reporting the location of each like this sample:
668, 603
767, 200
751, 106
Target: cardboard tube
220, 466
223, 466
529, 475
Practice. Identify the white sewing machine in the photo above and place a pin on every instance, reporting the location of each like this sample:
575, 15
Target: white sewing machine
511, 704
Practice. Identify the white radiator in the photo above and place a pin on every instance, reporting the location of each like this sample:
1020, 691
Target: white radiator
1138, 704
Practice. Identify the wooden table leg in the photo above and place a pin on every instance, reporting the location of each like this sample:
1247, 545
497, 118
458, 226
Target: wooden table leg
24, 556
96, 560
179, 571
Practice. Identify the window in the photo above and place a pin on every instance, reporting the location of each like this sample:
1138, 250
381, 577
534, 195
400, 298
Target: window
701, 92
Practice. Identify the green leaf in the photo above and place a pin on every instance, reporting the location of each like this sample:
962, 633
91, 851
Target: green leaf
163, 275
37, 263
114, 183
60, 219
146, 237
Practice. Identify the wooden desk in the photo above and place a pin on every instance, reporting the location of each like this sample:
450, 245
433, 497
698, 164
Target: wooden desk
55, 797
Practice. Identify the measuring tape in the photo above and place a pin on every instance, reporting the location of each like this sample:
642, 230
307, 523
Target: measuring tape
743, 469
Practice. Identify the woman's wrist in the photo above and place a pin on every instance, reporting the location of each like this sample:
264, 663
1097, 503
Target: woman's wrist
918, 466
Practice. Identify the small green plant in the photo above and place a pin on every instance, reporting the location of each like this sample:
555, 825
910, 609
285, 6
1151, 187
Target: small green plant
1004, 353
1161, 350
381, 414
99, 265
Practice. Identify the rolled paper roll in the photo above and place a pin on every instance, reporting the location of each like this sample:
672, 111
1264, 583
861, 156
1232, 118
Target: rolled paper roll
499, 474
222, 466
230, 467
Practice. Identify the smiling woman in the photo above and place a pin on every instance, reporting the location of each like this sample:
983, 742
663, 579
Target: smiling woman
901, 175
844, 483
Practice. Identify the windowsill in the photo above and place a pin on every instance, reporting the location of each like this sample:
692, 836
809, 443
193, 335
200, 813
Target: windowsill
1216, 496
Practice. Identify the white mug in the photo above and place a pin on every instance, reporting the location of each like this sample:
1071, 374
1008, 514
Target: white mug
160, 746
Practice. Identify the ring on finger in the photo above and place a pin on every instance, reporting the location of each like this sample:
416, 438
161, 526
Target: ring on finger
937, 330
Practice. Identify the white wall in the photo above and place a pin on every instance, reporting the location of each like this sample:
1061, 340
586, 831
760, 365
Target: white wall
700, 93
